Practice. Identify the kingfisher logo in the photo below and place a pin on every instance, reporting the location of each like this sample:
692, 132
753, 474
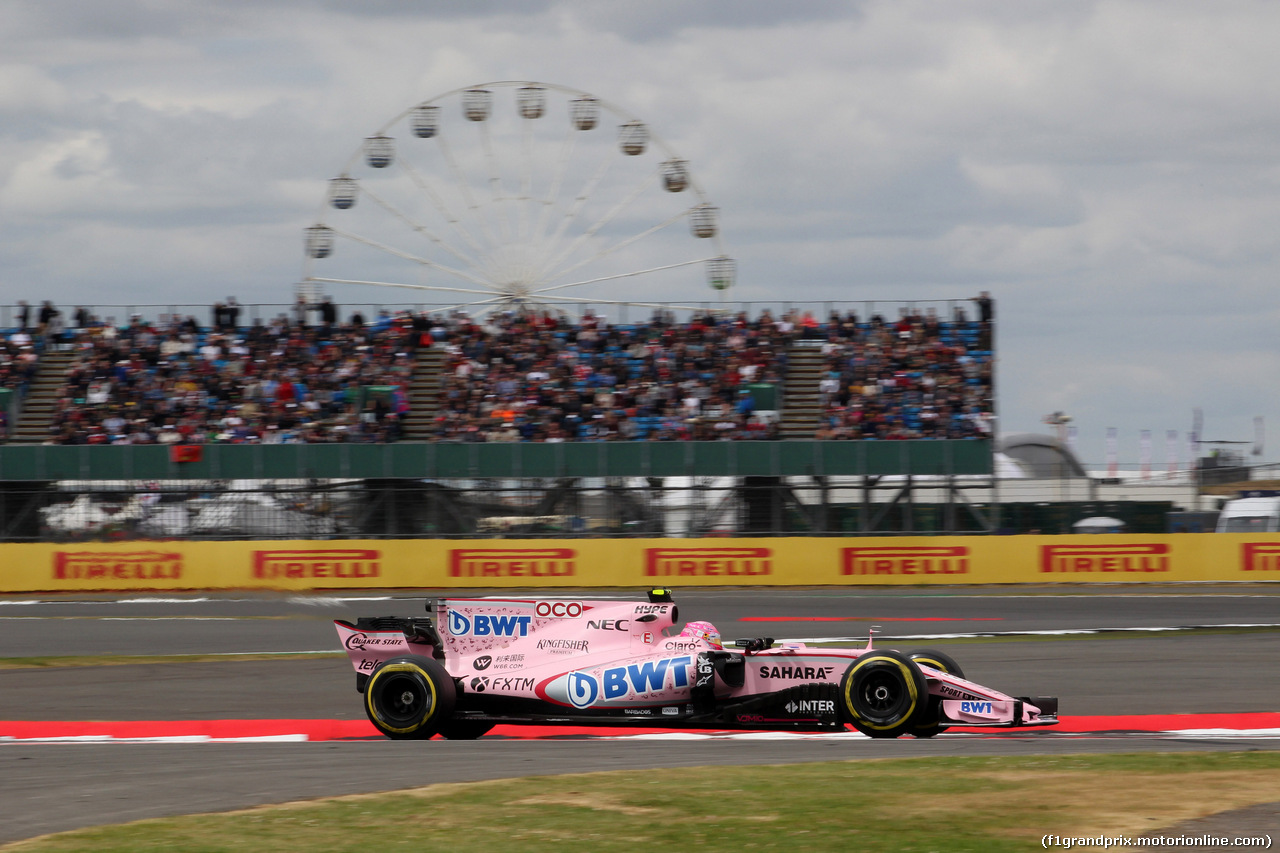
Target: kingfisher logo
488, 625
708, 562
1104, 558
319, 563
124, 566
511, 562
1260, 557
905, 560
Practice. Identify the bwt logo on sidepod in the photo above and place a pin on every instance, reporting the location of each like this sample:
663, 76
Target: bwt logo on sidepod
318, 563
488, 625
582, 689
1260, 557
707, 562
905, 560
511, 562
1104, 558
130, 565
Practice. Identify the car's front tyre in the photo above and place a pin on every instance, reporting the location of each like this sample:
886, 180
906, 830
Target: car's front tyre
883, 694
930, 722
409, 697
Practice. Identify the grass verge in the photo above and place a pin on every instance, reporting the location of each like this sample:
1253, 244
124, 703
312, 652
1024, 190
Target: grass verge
951, 804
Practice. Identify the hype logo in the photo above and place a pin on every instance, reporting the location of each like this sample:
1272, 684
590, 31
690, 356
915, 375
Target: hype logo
583, 689
459, 625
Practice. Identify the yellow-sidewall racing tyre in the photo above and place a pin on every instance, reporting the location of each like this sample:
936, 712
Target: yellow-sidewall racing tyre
928, 726
409, 698
883, 693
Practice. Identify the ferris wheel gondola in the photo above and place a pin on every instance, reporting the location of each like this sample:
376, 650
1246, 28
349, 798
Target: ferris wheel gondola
490, 203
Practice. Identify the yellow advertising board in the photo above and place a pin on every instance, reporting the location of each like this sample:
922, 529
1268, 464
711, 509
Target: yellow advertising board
373, 564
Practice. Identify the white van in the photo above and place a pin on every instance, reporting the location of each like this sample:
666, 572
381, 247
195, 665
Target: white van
1250, 515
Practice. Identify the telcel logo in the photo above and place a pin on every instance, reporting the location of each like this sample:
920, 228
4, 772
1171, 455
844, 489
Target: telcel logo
707, 562
905, 560
488, 625
511, 562
1260, 557
1104, 558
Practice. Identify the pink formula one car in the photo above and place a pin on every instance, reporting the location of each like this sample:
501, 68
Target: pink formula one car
485, 661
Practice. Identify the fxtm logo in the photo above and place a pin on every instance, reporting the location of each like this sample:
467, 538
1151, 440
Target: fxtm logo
488, 625
905, 560
558, 609
707, 562
511, 562
1104, 558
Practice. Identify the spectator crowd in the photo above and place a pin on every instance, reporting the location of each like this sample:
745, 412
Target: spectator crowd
515, 376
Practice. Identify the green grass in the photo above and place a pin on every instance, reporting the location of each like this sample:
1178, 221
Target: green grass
946, 804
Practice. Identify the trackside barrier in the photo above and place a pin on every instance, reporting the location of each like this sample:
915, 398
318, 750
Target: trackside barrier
355, 564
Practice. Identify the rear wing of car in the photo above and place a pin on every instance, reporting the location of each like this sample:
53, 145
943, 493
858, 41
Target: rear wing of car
371, 640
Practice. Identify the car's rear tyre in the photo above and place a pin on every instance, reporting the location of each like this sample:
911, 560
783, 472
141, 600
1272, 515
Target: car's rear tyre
883, 693
465, 729
409, 698
929, 724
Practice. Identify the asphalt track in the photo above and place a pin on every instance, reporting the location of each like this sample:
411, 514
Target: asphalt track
47, 787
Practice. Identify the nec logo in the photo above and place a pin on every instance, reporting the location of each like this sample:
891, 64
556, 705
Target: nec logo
1260, 557
511, 562
707, 562
130, 565
318, 563
1104, 558
905, 560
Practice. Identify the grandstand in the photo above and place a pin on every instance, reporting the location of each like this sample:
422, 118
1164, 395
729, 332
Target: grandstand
889, 384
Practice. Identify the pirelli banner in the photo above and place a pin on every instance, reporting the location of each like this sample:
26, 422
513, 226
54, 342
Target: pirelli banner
640, 562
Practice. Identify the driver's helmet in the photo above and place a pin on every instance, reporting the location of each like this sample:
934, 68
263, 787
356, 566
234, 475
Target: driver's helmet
703, 631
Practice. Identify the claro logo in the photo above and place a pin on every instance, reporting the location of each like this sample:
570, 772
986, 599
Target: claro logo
1104, 558
905, 560
707, 562
129, 565
319, 563
511, 562
1260, 557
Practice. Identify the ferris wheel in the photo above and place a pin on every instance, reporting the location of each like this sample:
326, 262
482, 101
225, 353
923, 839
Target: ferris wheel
511, 194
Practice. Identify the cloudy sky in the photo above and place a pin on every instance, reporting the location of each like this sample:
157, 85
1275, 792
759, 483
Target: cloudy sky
1108, 170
